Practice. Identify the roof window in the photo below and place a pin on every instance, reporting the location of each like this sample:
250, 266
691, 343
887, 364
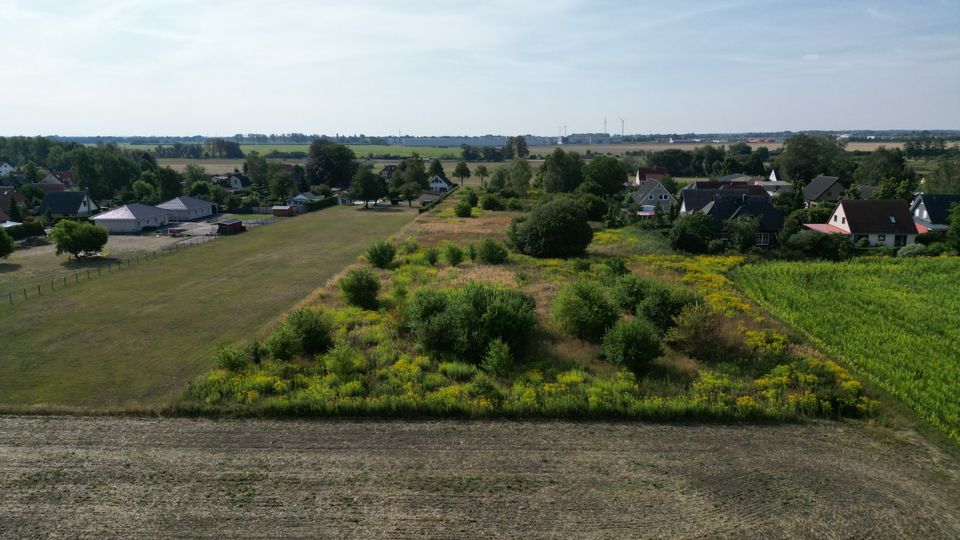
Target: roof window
893, 219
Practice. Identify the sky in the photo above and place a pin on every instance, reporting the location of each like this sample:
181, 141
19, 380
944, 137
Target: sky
452, 67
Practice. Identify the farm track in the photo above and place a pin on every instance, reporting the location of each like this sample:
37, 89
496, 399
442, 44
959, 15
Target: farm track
106, 477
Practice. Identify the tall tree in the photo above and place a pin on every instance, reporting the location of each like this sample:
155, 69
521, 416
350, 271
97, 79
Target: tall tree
520, 175
194, 174
366, 185
499, 179
561, 172
944, 178
255, 166
330, 163
13, 212
805, 156
75, 237
414, 171
607, 172
883, 164
462, 171
170, 183
482, 172
436, 169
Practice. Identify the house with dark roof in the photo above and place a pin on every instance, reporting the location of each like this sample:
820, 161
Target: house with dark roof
387, 172
823, 189
881, 222
66, 178
440, 183
932, 212
234, 181
132, 218
693, 199
8, 193
774, 187
653, 198
14, 180
67, 204
649, 173
725, 208
184, 208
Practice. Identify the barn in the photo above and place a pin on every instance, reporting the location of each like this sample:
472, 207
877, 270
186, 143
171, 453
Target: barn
187, 208
132, 218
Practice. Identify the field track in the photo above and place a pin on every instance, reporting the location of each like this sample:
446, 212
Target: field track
121, 477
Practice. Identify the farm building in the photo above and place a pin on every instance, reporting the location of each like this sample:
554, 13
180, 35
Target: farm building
229, 226
185, 208
132, 218
68, 204
880, 222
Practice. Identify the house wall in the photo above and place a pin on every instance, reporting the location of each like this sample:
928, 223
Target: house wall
120, 226
191, 213
839, 219
889, 240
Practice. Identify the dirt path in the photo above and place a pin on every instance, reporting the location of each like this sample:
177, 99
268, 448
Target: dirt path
174, 477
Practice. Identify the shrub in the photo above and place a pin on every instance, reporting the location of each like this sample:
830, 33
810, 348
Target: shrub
360, 288
431, 255
471, 252
408, 245
832, 247
463, 208
514, 203
74, 237
452, 253
471, 197
458, 371
490, 201
491, 252
692, 233
557, 228
6, 244
465, 321
912, 250
344, 362
498, 359
616, 266
282, 344
582, 309
662, 304
695, 332
312, 327
26, 230
381, 254
594, 205
630, 290
632, 344
231, 359
716, 246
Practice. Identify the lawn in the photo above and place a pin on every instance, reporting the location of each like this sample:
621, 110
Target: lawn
137, 337
896, 321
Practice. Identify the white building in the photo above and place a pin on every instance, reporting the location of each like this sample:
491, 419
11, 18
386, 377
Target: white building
6, 168
132, 218
185, 208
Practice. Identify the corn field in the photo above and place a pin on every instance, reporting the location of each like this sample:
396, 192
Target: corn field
895, 320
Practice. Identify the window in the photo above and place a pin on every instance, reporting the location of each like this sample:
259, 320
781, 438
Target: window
843, 220
650, 196
881, 238
763, 239
893, 219
900, 240
834, 217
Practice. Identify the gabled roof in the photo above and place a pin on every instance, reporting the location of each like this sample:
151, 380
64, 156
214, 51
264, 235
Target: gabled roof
736, 177
724, 208
62, 202
645, 187
306, 195
66, 177
131, 211
6, 193
441, 178
51, 187
938, 206
695, 199
878, 216
818, 186
183, 203
713, 184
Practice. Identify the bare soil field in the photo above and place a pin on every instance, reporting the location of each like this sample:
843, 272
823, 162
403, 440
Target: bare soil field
620, 149
122, 477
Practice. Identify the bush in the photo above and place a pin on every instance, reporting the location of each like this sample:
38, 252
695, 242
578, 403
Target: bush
514, 203
582, 309
306, 331
6, 244
630, 290
692, 233
465, 321
452, 254
381, 254
632, 344
463, 208
716, 246
490, 202
557, 228
662, 304
471, 197
471, 252
431, 255
912, 250
491, 252
696, 331
458, 371
231, 359
75, 237
26, 230
594, 205
498, 360
616, 266
282, 344
360, 288
832, 247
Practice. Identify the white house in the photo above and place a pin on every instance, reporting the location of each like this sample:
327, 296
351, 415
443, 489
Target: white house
440, 183
6, 168
880, 222
234, 181
132, 218
185, 208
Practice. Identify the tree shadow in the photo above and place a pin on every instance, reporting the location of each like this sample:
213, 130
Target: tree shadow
9, 267
87, 263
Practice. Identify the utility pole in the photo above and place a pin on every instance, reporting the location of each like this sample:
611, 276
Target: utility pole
621, 129
605, 126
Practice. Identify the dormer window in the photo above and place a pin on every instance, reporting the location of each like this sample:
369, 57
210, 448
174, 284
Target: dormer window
893, 219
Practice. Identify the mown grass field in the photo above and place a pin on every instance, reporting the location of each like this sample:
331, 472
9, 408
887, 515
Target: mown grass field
896, 321
137, 337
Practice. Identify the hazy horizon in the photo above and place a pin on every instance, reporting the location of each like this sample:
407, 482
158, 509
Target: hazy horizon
170, 67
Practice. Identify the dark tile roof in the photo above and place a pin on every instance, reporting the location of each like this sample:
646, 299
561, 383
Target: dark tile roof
725, 207
3, 216
183, 202
752, 189
13, 180
818, 186
938, 207
713, 184
878, 216
644, 188
62, 202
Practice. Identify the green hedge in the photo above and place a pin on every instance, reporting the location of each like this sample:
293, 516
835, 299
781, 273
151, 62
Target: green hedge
430, 206
27, 230
321, 204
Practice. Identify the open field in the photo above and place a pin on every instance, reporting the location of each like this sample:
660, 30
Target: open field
896, 321
122, 477
139, 336
40, 264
